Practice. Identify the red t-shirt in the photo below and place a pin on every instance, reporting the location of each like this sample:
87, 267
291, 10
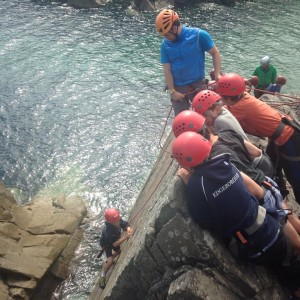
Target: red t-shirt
259, 119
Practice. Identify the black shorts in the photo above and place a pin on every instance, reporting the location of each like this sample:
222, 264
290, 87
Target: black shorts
275, 255
108, 250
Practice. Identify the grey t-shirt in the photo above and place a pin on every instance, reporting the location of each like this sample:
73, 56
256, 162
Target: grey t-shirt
231, 142
226, 120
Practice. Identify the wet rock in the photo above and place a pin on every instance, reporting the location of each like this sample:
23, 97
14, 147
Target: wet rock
87, 3
37, 242
152, 5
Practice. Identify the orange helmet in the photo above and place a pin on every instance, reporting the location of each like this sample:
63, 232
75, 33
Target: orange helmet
112, 215
281, 80
231, 84
204, 100
164, 21
190, 149
187, 120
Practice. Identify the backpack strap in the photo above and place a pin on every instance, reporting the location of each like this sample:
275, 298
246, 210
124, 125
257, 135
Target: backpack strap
291, 122
278, 131
285, 121
242, 235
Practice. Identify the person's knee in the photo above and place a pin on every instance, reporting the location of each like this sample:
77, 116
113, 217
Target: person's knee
109, 260
117, 252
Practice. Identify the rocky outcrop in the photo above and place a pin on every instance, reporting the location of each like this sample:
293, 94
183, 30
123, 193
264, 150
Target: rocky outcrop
147, 5
150, 5
87, 3
170, 257
37, 242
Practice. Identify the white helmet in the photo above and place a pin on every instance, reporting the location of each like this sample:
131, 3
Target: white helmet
265, 61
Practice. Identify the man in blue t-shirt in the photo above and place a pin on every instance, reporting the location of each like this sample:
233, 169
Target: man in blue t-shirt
183, 58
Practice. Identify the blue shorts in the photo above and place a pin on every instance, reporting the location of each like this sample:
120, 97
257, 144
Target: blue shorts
273, 198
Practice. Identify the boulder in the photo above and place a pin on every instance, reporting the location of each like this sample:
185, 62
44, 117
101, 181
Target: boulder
151, 5
195, 284
37, 242
171, 257
147, 5
168, 249
87, 3
4, 290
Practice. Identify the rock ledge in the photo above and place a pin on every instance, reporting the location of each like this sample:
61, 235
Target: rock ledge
171, 257
37, 242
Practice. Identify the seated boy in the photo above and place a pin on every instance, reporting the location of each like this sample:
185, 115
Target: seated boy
209, 104
275, 88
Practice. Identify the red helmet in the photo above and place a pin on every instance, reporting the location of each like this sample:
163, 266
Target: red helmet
204, 100
112, 215
254, 80
231, 84
164, 21
187, 120
281, 80
190, 149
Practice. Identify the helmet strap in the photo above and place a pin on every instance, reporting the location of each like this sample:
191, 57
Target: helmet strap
204, 131
175, 34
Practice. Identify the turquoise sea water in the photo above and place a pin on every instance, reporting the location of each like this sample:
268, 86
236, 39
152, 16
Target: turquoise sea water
82, 106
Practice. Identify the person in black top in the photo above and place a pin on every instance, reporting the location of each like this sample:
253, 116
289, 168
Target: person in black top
111, 239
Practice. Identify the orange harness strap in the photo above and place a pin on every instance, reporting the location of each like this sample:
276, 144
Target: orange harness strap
241, 237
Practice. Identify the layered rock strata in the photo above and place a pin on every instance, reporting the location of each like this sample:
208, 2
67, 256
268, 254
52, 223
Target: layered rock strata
37, 242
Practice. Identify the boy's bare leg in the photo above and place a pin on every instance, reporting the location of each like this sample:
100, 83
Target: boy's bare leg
108, 264
293, 236
293, 219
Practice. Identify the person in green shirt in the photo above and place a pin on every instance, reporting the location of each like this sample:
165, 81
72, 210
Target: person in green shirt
266, 74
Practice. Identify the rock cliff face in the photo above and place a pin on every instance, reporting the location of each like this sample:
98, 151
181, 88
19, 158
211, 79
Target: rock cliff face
37, 242
170, 257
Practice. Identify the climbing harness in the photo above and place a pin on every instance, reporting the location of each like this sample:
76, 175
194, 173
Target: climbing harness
243, 237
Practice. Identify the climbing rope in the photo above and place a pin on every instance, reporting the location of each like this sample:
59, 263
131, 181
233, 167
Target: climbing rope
276, 104
162, 148
278, 94
164, 130
149, 197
